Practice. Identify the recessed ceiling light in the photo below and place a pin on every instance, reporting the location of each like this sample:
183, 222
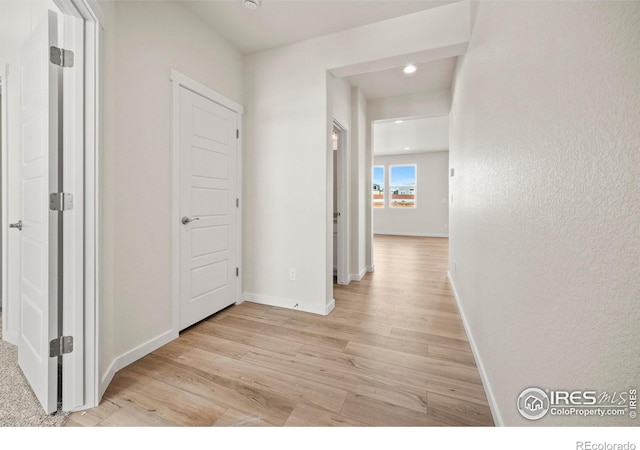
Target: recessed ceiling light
407, 148
399, 121
251, 4
408, 69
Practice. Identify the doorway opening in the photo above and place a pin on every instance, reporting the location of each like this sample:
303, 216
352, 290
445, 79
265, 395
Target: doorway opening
340, 205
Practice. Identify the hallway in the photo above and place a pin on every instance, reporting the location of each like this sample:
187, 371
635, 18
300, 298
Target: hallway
392, 353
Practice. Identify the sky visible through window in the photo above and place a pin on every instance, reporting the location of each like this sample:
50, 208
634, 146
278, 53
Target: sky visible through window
378, 176
403, 175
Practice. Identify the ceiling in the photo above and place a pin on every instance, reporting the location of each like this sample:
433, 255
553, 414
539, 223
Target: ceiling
427, 134
432, 75
282, 22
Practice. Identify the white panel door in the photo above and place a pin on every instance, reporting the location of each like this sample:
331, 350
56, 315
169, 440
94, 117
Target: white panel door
39, 234
209, 214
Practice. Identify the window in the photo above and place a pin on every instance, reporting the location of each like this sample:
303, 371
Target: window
378, 187
402, 180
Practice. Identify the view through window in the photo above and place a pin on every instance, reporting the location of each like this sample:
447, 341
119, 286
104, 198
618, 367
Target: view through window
378, 187
402, 181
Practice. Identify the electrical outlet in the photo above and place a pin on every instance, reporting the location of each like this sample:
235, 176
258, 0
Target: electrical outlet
292, 274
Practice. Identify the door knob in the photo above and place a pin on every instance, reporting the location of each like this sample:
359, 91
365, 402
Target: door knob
186, 220
17, 225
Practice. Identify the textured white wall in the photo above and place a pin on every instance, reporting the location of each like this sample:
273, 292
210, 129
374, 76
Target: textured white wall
545, 224
143, 41
431, 215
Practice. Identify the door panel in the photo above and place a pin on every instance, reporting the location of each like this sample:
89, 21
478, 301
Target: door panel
208, 192
39, 235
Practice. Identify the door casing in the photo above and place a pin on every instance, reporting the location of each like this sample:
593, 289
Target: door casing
82, 385
8, 336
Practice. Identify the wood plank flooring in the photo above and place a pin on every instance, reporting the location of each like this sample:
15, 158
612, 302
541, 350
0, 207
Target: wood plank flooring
392, 353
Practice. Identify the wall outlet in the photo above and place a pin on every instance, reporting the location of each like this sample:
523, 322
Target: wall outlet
292, 274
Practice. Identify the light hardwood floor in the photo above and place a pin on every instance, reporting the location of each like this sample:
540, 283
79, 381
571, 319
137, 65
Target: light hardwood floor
392, 353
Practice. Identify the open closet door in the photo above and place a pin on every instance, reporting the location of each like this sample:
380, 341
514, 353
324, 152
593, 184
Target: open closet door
39, 225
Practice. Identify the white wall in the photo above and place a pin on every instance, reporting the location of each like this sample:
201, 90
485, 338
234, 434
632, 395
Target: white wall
340, 91
545, 224
286, 141
18, 19
421, 104
143, 42
359, 201
430, 217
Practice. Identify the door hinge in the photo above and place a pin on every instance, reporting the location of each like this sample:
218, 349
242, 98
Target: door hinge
61, 346
237, 203
237, 134
61, 201
237, 271
61, 57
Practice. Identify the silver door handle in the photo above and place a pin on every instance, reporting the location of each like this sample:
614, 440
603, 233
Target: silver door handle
186, 220
17, 225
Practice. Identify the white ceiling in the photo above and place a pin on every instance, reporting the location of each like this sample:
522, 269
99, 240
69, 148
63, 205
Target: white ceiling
426, 134
432, 75
282, 22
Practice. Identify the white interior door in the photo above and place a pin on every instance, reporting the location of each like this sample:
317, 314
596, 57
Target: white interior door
39, 233
208, 209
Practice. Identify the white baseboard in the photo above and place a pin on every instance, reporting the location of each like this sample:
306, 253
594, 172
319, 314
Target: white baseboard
330, 307
493, 406
358, 276
399, 233
133, 355
288, 303
106, 379
371, 268
144, 349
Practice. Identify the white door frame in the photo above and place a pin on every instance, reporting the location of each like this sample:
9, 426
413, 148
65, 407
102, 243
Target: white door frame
343, 203
179, 81
4, 82
82, 238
